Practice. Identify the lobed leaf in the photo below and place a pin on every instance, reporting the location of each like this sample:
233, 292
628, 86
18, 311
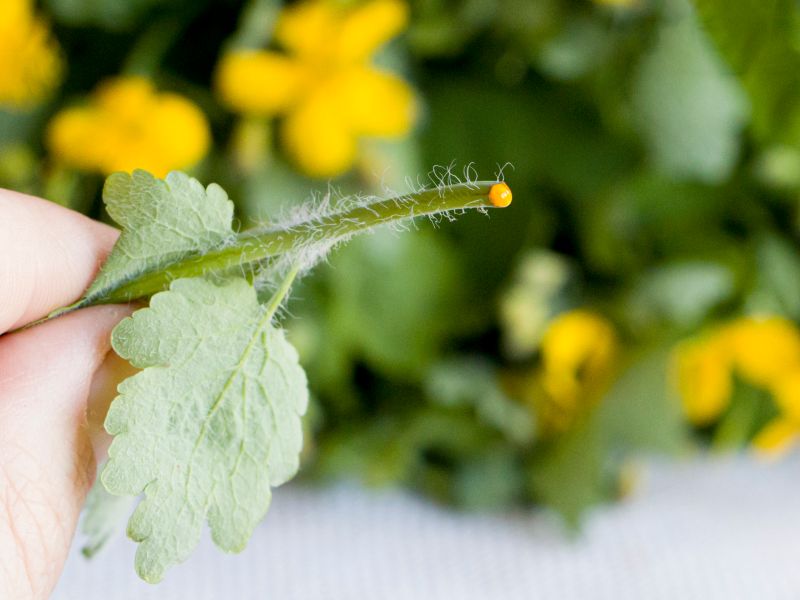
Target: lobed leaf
162, 221
209, 425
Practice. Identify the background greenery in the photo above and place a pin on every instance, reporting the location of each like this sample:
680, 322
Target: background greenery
654, 152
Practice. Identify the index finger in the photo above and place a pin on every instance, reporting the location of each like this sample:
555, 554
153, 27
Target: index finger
48, 257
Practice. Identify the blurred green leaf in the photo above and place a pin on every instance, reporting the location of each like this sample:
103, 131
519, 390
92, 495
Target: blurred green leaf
750, 409
640, 414
108, 14
759, 38
777, 279
689, 109
492, 480
472, 382
681, 293
395, 299
568, 476
581, 46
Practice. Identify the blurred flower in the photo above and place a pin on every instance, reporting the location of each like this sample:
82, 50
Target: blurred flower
128, 125
783, 431
528, 304
30, 65
323, 84
577, 359
763, 352
704, 379
763, 349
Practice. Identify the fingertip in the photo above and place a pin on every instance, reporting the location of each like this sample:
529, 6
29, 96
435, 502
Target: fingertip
48, 256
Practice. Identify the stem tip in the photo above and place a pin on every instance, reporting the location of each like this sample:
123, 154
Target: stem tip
500, 195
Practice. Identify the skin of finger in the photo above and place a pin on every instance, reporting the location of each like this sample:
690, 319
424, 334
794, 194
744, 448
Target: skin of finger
102, 392
46, 459
48, 256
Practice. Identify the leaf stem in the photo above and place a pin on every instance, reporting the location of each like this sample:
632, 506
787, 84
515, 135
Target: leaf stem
254, 246
277, 298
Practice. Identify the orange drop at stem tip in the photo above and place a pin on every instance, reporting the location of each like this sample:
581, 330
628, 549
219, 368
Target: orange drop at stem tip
500, 195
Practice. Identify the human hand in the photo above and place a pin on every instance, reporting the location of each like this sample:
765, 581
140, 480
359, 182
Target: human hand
49, 375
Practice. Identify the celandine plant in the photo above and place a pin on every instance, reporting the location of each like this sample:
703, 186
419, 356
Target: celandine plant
212, 421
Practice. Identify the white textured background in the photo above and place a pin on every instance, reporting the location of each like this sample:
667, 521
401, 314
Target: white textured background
722, 529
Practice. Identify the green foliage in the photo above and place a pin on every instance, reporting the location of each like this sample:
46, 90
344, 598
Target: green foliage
777, 269
473, 383
382, 283
683, 293
638, 415
212, 422
111, 14
209, 425
758, 38
689, 109
162, 222
655, 162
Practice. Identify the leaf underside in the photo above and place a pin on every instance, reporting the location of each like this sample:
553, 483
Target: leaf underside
209, 425
162, 221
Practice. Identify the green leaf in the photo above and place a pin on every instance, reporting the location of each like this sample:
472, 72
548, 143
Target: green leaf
641, 412
568, 476
758, 39
109, 14
688, 108
473, 383
777, 271
638, 415
394, 299
176, 229
683, 293
104, 518
209, 425
162, 221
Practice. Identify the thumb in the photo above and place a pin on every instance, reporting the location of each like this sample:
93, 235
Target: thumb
46, 458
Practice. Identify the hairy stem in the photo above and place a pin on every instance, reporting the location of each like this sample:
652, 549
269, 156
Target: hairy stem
254, 246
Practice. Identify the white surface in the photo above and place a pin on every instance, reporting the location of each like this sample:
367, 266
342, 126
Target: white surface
711, 530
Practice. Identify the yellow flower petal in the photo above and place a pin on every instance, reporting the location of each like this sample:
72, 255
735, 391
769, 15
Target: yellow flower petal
786, 391
763, 349
308, 28
366, 28
129, 125
578, 342
179, 135
30, 65
126, 98
777, 437
71, 134
577, 350
329, 95
259, 82
703, 372
376, 103
317, 140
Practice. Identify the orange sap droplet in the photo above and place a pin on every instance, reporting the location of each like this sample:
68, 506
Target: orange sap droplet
500, 195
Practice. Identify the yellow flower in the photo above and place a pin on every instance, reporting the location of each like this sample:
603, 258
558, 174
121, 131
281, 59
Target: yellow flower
764, 352
578, 351
323, 84
128, 125
30, 65
763, 349
703, 370
783, 431
777, 437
